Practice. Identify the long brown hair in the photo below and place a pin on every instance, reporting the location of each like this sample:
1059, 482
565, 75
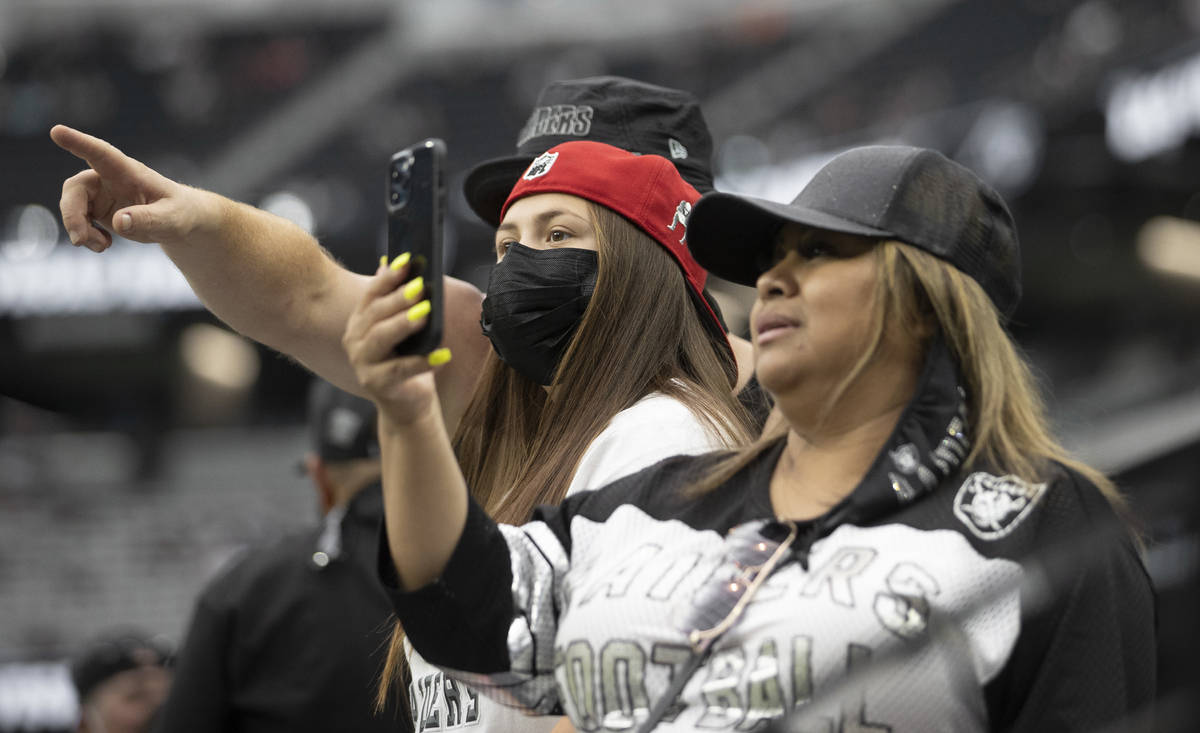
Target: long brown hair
518, 444
921, 294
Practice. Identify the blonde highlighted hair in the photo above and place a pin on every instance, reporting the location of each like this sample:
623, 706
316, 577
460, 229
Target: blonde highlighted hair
921, 294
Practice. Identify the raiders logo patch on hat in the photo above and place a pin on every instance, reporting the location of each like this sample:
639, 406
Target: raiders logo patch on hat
540, 166
993, 506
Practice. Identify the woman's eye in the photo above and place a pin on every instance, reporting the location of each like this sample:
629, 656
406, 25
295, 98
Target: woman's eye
558, 236
814, 249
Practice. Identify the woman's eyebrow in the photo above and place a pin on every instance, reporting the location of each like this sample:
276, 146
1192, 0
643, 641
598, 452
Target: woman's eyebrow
539, 220
547, 216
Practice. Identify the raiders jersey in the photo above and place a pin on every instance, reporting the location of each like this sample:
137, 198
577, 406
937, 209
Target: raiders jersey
931, 598
655, 427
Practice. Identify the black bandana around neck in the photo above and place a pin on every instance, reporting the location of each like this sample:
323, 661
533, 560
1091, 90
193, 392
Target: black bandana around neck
535, 301
927, 446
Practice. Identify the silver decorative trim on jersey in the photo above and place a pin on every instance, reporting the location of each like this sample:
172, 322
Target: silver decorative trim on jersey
906, 457
929, 466
538, 565
904, 490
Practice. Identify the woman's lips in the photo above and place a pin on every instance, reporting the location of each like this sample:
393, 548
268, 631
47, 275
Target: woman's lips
771, 326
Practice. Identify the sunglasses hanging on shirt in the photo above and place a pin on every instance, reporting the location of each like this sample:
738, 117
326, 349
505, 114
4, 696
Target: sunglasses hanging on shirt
755, 549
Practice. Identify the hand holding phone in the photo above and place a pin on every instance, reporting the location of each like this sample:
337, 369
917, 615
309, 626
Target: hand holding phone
416, 208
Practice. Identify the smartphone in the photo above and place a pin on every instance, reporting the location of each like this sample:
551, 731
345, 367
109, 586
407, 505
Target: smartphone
416, 206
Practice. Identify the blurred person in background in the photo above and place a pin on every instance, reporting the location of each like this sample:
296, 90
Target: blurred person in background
122, 679
292, 635
909, 549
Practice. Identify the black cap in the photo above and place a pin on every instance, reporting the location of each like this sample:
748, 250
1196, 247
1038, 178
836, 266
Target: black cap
914, 195
113, 653
632, 115
342, 425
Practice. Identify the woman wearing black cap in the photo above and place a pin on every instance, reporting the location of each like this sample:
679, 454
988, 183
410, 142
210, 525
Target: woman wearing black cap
909, 550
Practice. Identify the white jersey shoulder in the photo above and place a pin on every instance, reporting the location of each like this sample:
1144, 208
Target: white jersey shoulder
656, 427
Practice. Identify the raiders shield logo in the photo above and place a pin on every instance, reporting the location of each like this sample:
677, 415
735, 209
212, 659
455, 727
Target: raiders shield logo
540, 166
678, 151
993, 506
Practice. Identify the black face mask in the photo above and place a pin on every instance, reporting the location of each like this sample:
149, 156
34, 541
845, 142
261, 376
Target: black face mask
535, 301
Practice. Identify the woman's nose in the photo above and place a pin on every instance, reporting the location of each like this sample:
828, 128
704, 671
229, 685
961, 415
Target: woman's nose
779, 280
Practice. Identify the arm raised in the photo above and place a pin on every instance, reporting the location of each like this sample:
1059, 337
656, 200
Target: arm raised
424, 493
261, 274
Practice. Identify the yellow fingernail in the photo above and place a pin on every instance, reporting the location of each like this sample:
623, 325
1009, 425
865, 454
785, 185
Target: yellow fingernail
401, 261
414, 287
419, 311
437, 357
383, 260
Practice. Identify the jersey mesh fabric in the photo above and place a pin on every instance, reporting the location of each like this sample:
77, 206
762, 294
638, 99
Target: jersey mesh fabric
958, 600
655, 427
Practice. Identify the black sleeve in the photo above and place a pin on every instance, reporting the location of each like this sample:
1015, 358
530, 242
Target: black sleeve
199, 697
1086, 660
462, 618
491, 618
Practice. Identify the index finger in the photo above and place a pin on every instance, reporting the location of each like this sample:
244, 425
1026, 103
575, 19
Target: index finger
102, 156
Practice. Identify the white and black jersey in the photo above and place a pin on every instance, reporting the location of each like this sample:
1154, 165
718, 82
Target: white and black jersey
931, 598
655, 427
